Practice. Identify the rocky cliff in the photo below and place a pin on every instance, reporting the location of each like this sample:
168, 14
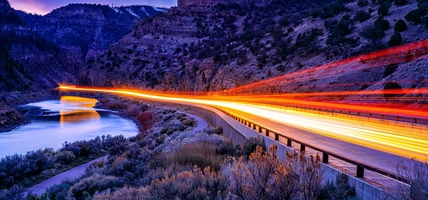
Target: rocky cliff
225, 46
28, 61
84, 30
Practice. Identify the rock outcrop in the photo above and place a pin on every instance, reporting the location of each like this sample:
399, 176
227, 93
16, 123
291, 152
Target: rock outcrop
218, 47
86, 30
28, 61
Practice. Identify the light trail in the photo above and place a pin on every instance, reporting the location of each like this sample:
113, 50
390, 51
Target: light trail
386, 137
376, 59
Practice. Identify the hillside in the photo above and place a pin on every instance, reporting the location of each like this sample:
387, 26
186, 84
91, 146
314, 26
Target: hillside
216, 47
28, 61
86, 29
40, 52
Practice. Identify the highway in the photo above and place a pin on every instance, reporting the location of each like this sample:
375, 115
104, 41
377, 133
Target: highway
377, 143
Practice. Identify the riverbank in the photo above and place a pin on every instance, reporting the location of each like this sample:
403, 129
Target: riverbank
79, 171
51, 163
11, 116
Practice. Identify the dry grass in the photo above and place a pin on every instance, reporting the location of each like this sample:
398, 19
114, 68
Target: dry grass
199, 154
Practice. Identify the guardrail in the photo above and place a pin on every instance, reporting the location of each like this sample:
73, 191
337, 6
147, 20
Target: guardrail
325, 154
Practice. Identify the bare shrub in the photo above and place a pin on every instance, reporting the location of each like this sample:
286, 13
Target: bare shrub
263, 177
65, 157
251, 144
86, 187
417, 174
126, 193
338, 190
146, 119
309, 171
194, 184
132, 111
199, 154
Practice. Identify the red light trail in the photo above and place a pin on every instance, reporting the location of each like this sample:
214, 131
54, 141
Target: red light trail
297, 109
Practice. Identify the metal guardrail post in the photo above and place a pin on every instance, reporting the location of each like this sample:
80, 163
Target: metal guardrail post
324, 157
302, 147
276, 136
267, 132
254, 127
360, 171
260, 129
289, 142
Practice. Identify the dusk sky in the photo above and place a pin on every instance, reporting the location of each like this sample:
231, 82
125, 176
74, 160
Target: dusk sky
45, 6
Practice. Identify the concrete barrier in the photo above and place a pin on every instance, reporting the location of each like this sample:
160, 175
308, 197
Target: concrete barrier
239, 132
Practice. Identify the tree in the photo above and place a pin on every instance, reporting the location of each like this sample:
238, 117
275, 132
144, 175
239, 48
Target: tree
396, 39
414, 16
401, 2
400, 26
363, 3
382, 24
362, 16
384, 8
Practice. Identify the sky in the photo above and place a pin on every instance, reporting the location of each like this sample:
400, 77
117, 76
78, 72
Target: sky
45, 6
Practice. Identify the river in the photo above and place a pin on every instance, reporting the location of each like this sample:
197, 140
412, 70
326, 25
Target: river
69, 119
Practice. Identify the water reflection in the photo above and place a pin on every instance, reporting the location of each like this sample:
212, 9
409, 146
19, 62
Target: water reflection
83, 111
69, 119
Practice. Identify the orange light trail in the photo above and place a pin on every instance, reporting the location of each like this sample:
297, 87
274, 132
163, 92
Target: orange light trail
399, 139
380, 58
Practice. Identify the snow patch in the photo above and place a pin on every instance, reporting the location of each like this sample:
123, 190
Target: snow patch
160, 9
145, 11
115, 9
132, 13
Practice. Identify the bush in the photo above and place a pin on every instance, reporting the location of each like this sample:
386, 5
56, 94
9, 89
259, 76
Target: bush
280, 68
146, 119
87, 187
339, 190
390, 69
338, 31
65, 157
400, 26
218, 130
126, 193
363, 3
132, 111
417, 173
396, 39
415, 16
384, 8
373, 33
200, 154
58, 191
188, 122
251, 144
401, 2
382, 24
362, 16
391, 86
226, 148
263, 177
14, 193
189, 184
